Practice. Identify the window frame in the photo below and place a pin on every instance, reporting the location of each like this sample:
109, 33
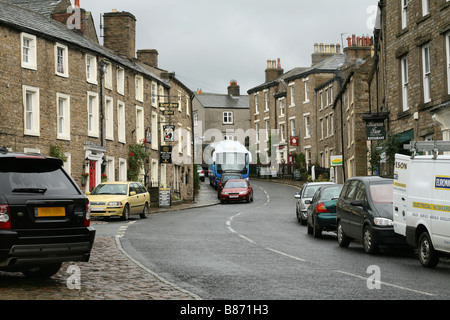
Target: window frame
64, 60
35, 111
93, 125
227, 117
404, 74
91, 69
31, 64
426, 69
63, 134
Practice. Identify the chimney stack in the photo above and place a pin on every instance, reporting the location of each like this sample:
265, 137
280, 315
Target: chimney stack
72, 21
358, 48
149, 57
324, 51
273, 71
120, 33
234, 89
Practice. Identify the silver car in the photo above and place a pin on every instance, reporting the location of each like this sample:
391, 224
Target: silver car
304, 198
201, 173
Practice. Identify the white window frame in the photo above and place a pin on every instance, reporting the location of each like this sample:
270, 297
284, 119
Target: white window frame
447, 40
425, 7
307, 125
28, 53
31, 114
282, 132
267, 129
257, 132
292, 127
108, 76
404, 13
256, 103
154, 130
155, 173
426, 64
292, 94
63, 116
405, 79
109, 118
123, 169
110, 168
180, 107
91, 69
331, 116
140, 130
61, 61
227, 117
195, 119
188, 109
121, 132
266, 100
93, 114
154, 87
321, 128
121, 81
306, 85
282, 106
139, 87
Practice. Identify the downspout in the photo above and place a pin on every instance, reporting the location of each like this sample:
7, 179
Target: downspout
102, 103
194, 169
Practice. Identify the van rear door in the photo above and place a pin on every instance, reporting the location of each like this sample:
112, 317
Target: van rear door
401, 176
440, 219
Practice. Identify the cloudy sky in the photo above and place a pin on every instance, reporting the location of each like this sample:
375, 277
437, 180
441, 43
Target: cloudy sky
207, 43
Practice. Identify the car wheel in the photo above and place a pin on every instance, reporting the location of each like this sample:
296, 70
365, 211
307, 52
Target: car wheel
126, 213
42, 271
369, 242
144, 214
342, 239
317, 232
428, 257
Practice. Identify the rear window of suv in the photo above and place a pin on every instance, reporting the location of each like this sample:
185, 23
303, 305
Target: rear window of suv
34, 176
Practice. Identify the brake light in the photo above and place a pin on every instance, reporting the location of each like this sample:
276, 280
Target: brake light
5, 221
321, 208
87, 217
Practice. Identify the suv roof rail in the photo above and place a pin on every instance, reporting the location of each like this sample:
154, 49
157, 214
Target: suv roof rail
3, 150
431, 146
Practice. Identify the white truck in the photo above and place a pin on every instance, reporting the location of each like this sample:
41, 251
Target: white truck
421, 204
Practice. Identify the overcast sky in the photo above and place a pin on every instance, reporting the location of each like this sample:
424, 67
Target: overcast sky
207, 43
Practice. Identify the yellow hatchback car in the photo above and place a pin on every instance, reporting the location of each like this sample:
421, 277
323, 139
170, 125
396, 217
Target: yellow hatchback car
119, 199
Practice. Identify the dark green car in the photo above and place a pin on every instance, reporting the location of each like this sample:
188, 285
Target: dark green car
321, 213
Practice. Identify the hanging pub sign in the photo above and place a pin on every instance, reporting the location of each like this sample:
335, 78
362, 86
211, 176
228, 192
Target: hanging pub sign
294, 141
168, 108
168, 133
165, 154
375, 130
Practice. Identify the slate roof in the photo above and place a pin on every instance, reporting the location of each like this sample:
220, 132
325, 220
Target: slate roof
44, 7
31, 22
331, 64
223, 101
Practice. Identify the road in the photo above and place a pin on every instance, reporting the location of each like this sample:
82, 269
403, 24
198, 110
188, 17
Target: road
259, 251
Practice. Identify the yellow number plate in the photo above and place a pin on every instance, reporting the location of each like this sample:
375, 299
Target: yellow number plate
50, 212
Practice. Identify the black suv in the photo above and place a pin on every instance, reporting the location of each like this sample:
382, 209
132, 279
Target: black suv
44, 216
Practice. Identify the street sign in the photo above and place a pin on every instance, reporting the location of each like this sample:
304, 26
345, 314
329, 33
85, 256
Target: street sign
164, 197
375, 130
336, 161
168, 133
165, 154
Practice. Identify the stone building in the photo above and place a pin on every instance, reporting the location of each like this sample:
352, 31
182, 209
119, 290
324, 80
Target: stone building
62, 89
296, 106
410, 81
219, 117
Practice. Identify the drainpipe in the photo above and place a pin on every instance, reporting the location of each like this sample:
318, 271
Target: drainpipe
102, 102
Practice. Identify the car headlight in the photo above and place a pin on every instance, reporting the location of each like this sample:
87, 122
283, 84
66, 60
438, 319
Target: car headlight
243, 192
383, 222
115, 203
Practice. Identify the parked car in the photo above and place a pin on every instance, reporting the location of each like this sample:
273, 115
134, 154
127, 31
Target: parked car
119, 199
322, 210
364, 212
224, 178
304, 199
201, 173
236, 190
44, 216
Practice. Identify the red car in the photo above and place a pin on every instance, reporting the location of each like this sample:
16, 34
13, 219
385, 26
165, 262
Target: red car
236, 190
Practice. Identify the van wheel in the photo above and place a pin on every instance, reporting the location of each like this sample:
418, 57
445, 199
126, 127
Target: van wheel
144, 213
369, 243
126, 213
342, 239
428, 257
42, 271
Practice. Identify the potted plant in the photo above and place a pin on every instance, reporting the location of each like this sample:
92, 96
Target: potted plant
104, 178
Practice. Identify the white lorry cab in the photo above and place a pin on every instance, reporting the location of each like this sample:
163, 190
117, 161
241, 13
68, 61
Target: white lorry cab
421, 203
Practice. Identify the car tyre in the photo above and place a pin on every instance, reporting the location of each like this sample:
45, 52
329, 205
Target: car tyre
126, 213
369, 242
317, 232
144, 214
342, 239
428, 257
309, 228
44, 271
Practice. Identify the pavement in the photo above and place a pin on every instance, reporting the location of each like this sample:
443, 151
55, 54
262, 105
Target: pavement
110, 274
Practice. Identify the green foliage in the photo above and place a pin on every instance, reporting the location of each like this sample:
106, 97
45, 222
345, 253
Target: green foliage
136, 160
57, 151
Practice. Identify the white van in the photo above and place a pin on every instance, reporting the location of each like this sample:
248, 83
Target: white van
421, 204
